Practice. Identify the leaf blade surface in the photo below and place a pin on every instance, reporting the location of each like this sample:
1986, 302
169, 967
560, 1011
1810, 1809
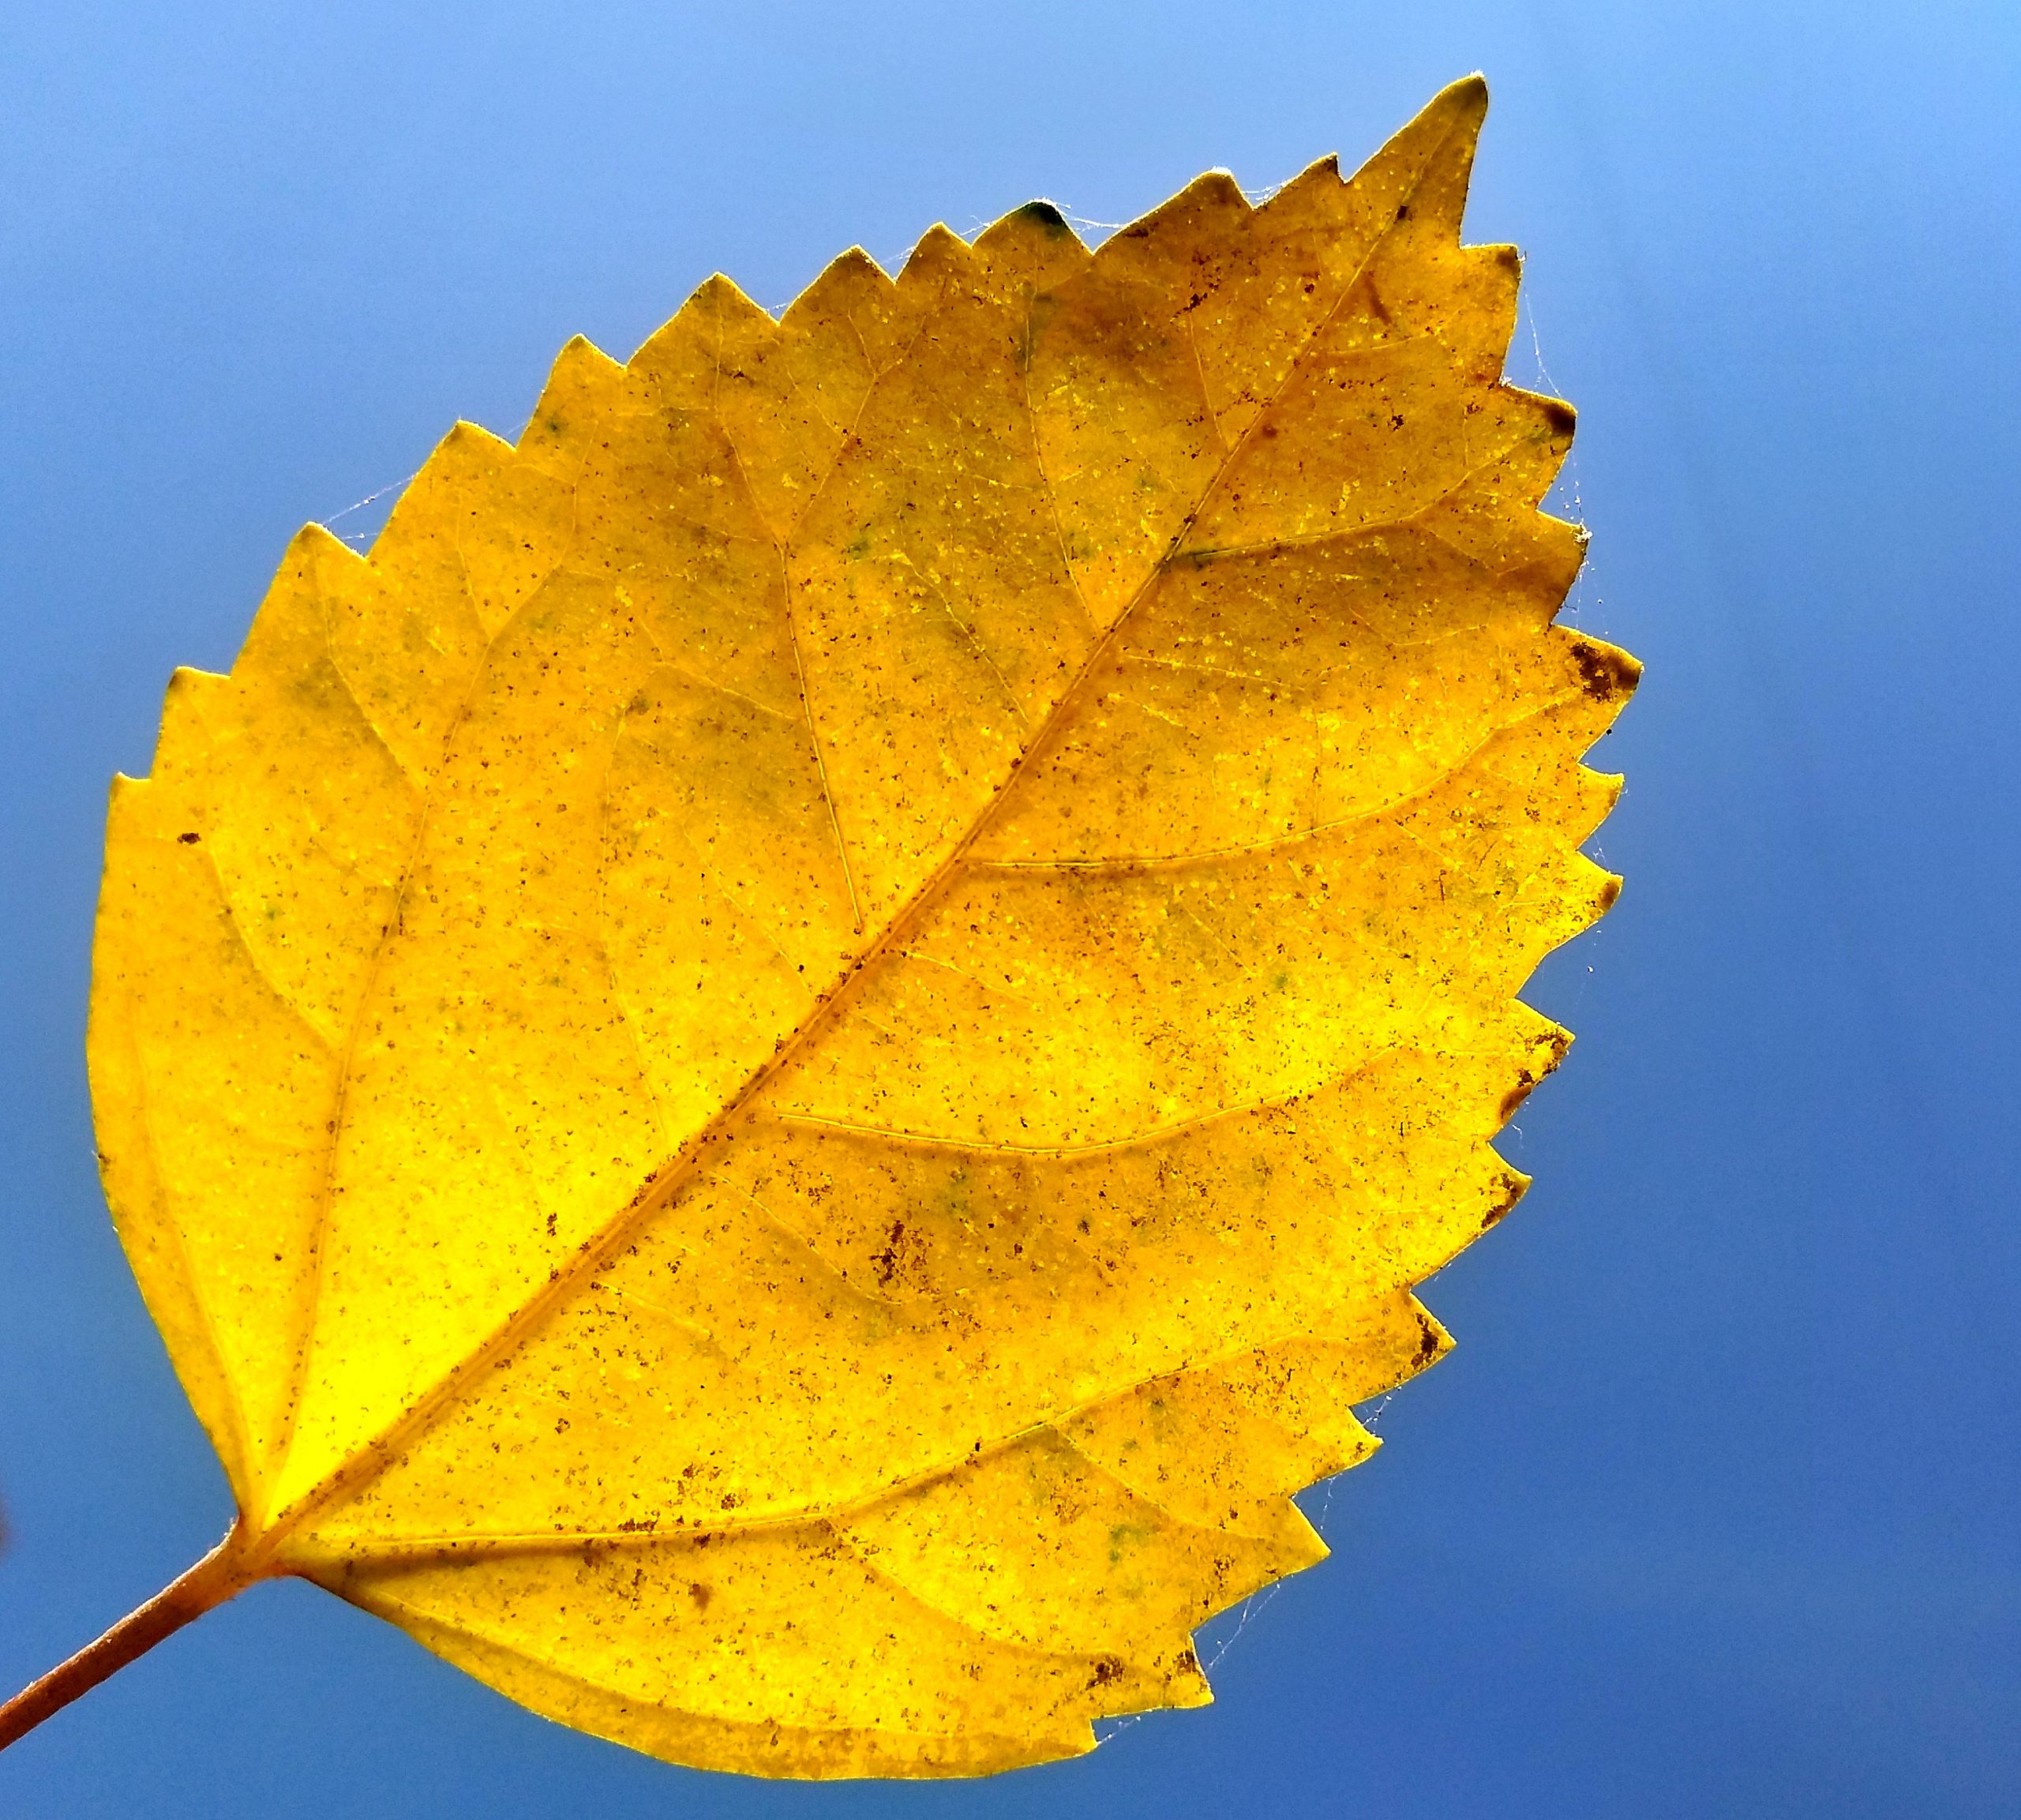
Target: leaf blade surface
776, 1077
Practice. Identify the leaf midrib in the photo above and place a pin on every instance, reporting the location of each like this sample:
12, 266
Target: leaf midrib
659, 1188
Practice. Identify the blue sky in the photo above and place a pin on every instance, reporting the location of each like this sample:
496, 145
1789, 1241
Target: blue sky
1713, 1510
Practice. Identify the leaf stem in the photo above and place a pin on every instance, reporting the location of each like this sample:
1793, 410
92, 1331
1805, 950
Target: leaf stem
227, 1570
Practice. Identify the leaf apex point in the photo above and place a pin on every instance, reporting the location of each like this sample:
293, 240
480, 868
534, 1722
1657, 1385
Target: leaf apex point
717, 290
857, 259
463, 432
1469, 94
1217, 186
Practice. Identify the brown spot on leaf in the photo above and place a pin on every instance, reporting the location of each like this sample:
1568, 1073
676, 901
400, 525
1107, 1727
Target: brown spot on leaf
1526, 1081
1511, 1192
887, 1259
1604, 673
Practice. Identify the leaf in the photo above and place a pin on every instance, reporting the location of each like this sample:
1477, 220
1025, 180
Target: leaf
777, 1077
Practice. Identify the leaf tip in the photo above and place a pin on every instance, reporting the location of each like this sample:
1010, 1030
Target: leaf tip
465, 436
1510, 1189
939, 246
1548, 1053
1041, 213
312, 554
854, 263
1466, 99
1320, 170
1433, 1341
1188, 1687
1039, 239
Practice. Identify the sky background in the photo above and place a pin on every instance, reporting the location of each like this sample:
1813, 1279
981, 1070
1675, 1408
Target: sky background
1714, 1510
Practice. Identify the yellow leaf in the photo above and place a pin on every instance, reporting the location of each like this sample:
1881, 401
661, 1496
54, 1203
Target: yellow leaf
777, 1077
